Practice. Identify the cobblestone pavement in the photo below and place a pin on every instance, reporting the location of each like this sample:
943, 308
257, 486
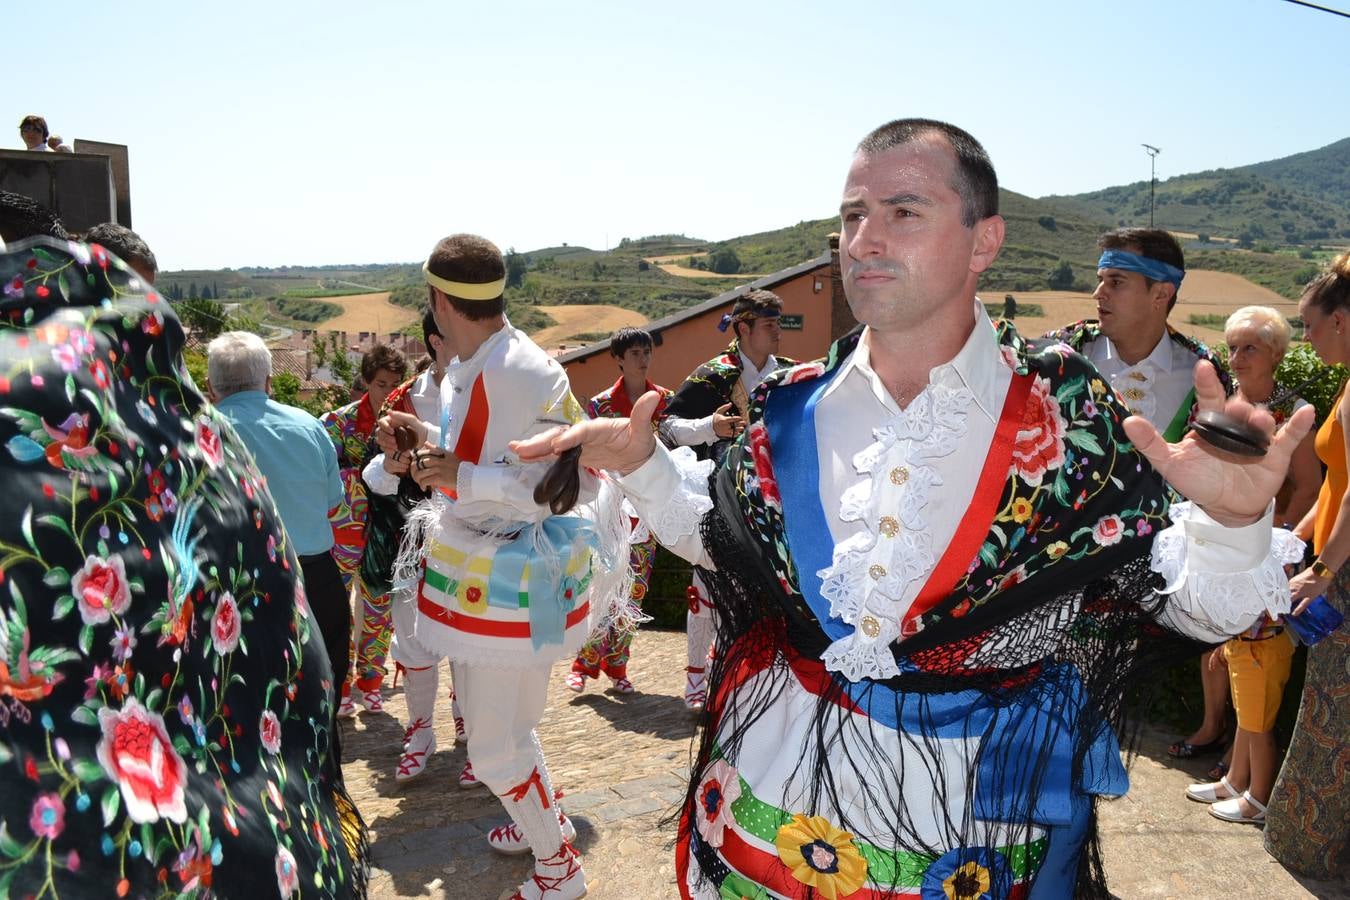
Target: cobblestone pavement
622, 762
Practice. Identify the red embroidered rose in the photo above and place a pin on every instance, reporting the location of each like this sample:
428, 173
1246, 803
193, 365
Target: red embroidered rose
136, 753
804, 372
269, 731
758, 436
208, 441
1039, 445
225, 625
1108, 530
101, 589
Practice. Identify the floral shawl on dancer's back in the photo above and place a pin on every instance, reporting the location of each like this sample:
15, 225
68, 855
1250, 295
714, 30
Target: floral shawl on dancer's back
713, 384
163, 685
1033, 621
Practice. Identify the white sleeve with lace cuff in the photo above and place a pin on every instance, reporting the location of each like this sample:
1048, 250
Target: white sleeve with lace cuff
1220, 580
670, 493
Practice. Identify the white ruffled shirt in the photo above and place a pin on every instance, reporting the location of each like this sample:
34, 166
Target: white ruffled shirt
895, 493
1156, 386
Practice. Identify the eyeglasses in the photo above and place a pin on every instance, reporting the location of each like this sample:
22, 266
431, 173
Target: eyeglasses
29, 128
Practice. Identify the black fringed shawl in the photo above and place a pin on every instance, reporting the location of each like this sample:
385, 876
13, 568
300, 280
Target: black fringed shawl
1046, 618
164, 694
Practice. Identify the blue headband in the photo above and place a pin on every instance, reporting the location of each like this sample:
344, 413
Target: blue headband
1155, 269
745, 316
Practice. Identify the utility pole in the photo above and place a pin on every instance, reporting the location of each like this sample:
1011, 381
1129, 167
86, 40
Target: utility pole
1152, 176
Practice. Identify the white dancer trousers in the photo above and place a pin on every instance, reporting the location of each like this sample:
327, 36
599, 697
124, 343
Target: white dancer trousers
501, 709
701, 626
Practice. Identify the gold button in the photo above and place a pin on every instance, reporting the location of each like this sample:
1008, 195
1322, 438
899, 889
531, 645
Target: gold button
1134, 394
870, 626
877, 572
1138, 376
899, 475
889, 526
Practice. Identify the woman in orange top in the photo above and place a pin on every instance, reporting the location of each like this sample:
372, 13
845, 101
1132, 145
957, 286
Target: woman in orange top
1308, 820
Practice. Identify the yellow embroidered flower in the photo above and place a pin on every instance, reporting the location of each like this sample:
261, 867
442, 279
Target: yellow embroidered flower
472, 596
970, 882
821, 856
1098, 389
1057, 549
1021, 509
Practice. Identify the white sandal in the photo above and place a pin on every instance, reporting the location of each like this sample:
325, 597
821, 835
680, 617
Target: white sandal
1231, 810
1208, 792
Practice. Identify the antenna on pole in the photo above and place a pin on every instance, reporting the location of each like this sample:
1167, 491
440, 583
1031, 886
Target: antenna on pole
1152, 152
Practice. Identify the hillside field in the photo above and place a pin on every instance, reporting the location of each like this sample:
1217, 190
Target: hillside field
369, 312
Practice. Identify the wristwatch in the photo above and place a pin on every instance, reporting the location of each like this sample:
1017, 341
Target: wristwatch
1322, 570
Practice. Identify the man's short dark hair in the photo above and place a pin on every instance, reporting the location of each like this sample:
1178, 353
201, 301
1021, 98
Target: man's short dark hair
35, 120
124, 242
382, 356
430, 328
753, 305
1155, 243
625, 339
470, 259
976, 182
23, 217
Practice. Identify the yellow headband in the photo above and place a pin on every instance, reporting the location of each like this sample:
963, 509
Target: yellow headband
489, 290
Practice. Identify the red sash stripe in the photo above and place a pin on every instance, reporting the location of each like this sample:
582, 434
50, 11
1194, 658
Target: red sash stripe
974, 527
487, 627
469, 447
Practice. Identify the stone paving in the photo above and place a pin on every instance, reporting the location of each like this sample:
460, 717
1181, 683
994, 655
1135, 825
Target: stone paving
622, 762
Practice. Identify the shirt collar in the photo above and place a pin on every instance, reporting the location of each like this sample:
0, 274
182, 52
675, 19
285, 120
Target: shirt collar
975, 367
1159, 358
475, 363
749, 367
239, 398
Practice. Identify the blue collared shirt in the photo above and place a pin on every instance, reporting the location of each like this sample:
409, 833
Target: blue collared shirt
296, 457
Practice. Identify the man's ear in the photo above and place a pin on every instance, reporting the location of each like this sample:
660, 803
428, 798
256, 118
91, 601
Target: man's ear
988, 241
267, 386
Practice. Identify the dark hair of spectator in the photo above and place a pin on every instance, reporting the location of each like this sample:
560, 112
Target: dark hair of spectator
753, 304
382, 356
35, 120
23, 217
1330, 291
429, 328
975, 182
1155, 243
625, 339
124, 242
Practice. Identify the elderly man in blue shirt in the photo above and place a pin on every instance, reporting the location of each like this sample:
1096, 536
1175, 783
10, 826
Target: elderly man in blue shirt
296, 457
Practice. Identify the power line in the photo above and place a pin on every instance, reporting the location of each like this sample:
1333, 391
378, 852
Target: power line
1325, 9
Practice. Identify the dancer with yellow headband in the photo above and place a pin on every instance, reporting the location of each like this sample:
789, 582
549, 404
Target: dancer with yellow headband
487, 576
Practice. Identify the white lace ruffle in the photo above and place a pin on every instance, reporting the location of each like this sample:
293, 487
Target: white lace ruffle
1221, 604
870, 572
860, 656
686, 507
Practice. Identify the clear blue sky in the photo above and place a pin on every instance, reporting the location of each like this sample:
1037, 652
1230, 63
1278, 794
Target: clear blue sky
309, 133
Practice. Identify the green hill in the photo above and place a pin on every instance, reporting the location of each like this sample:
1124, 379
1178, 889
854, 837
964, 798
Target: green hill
1299, 200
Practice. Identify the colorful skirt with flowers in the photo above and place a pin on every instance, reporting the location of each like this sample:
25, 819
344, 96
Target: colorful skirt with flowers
955, 768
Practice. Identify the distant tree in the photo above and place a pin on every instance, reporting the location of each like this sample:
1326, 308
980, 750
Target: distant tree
1246, 240
340, 364
643, 265
320, 350
597, 270
1062, 278
724, 261
1202, 238
195, 361
286, 388
515, 268
205, 317
1048, 223
192, 291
